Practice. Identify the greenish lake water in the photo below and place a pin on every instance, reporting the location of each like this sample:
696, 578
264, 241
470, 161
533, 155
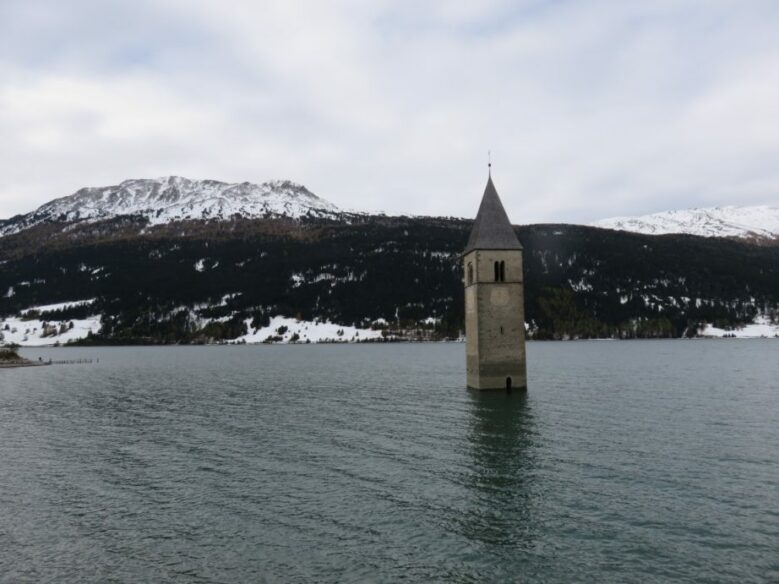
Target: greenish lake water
638, 461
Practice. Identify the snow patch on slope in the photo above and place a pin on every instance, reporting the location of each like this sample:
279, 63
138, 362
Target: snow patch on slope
312, 331
41, 332
30, 333
762, 327
745, 222
58, 306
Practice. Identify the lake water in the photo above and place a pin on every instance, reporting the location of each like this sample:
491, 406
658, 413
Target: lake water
637, 461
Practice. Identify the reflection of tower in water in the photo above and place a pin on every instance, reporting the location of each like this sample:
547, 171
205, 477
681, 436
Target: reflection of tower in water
502, 469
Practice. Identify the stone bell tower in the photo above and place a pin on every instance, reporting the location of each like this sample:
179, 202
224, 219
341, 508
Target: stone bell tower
494, 300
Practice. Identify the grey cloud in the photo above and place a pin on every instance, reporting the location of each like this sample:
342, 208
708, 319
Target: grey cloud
591, 109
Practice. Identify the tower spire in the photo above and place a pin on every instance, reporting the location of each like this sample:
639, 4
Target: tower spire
492, 228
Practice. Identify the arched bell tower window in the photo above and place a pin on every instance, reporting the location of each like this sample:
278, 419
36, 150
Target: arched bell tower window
470, 272
500, 271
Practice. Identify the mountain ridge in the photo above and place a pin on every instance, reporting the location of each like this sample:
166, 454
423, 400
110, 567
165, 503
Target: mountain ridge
170, 199
759, 222
174, 198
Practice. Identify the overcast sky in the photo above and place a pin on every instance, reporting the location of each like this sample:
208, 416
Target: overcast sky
591, 108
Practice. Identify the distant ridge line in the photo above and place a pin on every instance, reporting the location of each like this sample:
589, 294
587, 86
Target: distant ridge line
752, 222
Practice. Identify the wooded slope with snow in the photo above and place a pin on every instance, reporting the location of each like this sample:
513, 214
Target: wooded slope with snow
174, 260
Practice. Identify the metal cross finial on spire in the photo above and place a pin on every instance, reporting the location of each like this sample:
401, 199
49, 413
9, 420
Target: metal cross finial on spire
489, 162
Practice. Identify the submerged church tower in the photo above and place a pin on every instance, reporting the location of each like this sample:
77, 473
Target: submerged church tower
494, 300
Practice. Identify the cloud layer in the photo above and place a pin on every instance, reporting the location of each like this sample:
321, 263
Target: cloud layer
591, 109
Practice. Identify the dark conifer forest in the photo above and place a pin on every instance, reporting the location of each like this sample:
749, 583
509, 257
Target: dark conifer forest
200, 281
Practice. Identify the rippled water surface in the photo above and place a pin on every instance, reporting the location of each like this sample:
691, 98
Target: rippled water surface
624, 462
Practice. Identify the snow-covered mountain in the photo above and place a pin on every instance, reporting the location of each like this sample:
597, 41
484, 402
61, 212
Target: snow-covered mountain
173, 198
760, 222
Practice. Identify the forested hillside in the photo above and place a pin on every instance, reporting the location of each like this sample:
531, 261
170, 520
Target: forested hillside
201, 281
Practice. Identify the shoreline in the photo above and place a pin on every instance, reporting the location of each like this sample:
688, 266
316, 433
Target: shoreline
394, 342
25, 363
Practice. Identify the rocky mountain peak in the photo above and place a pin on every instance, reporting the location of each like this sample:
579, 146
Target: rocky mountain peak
176, 198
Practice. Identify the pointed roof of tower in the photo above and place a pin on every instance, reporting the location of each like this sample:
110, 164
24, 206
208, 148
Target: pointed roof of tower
492, 228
